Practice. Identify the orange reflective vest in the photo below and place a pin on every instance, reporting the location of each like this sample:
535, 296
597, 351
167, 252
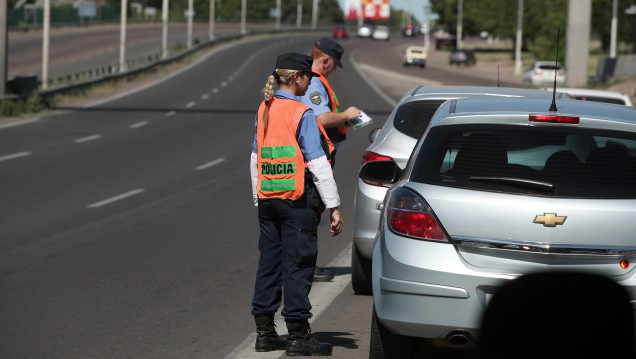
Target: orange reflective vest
339, 133
281, 165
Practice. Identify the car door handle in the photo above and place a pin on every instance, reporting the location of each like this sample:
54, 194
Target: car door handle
379, 206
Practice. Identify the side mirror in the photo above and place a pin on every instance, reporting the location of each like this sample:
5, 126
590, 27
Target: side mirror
380, 173
374, 134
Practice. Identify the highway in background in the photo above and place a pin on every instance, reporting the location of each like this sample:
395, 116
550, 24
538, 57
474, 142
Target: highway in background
127, 228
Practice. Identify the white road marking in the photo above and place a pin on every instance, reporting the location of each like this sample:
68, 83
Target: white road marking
191, 104
115, 198
215, 90
169, 114
210, 164
14, 155
224, 83
205, 96
18, 122
139, 124
321, 296
87, 138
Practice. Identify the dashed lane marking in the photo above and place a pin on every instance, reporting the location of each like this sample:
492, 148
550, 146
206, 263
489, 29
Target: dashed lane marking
14, 155
210, 164
116, 198
87, 138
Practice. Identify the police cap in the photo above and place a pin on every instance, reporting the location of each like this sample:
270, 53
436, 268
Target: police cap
295, 61
332, 48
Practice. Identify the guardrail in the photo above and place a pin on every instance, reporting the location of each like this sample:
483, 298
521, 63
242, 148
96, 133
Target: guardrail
27, 86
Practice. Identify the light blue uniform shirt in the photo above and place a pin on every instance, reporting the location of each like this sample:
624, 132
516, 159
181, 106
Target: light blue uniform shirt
316, 92
308, 135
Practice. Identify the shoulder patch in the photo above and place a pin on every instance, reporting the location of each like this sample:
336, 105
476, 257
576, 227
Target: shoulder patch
315, 98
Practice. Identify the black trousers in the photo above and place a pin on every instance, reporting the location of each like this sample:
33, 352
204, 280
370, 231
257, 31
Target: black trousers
288, 247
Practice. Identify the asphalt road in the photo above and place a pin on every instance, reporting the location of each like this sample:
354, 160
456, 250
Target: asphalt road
127, 228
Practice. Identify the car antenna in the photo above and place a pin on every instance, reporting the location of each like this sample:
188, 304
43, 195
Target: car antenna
553, 107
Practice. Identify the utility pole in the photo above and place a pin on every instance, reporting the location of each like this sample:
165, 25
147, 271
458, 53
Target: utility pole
190, 19
518, 63
46, 27
243, 17
212, 18
613, 30
164, 22
460, 10
299, 14
4, 46
578, 42
122, 36
314, 15
278, 14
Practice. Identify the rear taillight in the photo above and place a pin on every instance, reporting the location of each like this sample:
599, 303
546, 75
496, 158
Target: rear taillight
538, 71
369, 156
555, 119
408, 215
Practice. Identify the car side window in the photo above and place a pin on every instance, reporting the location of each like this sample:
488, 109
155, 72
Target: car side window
412, 118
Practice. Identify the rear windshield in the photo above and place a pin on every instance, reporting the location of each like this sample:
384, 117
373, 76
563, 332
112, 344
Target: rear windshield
412, 118
552, 161
548, 67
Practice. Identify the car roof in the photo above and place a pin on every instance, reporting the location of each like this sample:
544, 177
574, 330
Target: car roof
607, 115
464, 91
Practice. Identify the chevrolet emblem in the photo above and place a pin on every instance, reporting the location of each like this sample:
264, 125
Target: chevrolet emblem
549, 219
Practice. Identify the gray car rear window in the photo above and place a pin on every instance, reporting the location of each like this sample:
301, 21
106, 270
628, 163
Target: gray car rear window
557, 161
412, 118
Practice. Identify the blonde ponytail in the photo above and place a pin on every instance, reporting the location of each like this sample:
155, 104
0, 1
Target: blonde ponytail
281, 77
268, 93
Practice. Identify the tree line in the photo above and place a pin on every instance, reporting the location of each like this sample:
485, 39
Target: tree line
541, 18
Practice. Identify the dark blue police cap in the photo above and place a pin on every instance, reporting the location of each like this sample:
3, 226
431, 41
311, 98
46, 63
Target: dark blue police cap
295, 61
332, 48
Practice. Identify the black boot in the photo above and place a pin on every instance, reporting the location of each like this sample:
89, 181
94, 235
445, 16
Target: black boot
321, 275
302, 343
267, 339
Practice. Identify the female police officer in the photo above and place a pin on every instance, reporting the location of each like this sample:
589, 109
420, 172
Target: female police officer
287, 164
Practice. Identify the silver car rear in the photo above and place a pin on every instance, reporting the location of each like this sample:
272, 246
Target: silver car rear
496, 189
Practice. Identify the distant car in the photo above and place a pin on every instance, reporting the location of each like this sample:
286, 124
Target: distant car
415, 55
494, 189
597, 95
394, 142
365, 30
381, 32
543, 72
462, 57
340, 32
409, 31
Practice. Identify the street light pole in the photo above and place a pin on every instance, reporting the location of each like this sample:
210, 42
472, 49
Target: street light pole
212, 18
460, 9
613, 30
243, 17
122, 36
314, 15
46, 27
164, 24
4, 46
518, 63
190, 19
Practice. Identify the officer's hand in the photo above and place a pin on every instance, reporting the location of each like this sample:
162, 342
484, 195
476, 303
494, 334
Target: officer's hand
352, 112
336, 221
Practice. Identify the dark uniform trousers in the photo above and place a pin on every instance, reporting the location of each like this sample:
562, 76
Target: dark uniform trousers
288, 247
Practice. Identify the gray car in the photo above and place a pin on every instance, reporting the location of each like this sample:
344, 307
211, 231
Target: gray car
494, 189
394, 142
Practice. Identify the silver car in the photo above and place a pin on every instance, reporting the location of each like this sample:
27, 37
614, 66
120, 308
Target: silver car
544, 72
394, 142
494, 189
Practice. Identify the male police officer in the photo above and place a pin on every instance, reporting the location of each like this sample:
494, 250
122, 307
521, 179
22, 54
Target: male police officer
321, 98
